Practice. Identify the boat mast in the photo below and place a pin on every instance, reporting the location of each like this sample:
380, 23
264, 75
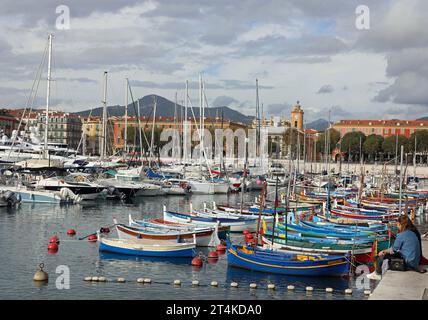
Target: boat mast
104, 124
414, 161
185, 125
126, 115
258, 122
153, 130
48, 93
139, 131
274, 212
401, 177
201, 142
175, 128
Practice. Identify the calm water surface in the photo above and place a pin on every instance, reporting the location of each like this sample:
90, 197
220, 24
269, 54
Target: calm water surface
25, 233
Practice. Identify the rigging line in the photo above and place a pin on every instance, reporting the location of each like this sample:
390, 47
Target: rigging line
139, 124
199, 134
37, 79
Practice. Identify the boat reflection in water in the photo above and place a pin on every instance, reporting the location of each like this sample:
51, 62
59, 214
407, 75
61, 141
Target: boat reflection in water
122, 259
244, 277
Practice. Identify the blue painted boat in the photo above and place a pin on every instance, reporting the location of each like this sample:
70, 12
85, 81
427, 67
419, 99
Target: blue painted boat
235, 224
271, 261
148, 247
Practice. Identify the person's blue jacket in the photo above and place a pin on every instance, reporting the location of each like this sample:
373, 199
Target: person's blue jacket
409, 247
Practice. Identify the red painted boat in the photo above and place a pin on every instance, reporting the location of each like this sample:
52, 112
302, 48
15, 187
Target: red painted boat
351, 215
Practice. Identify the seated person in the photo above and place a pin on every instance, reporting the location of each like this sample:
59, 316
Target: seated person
406, 246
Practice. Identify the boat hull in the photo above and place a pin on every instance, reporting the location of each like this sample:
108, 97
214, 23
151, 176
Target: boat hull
203, 238
147, 250
336, 266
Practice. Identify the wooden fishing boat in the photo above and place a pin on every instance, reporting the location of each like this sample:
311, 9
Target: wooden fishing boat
272, 261
236, 225
148, 247
361, 253
223, 231
350, 215
321, 231
204, 237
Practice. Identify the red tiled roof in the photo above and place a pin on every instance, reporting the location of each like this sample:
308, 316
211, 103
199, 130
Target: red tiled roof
382, 123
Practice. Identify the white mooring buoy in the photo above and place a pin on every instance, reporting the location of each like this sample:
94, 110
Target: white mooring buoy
121, 280
271, 286
329, 290
253, 285
234, 285
348, 291
41, 275
290, 287
214, 283
177, 282
195, 283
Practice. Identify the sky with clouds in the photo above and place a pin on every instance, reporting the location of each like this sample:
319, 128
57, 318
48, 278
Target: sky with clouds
309, 51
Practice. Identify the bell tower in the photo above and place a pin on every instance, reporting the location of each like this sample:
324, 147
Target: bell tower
297, 117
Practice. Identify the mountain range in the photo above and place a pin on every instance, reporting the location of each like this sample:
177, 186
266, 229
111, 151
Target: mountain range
166, 108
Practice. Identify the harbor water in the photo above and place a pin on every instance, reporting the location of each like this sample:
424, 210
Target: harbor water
25, 232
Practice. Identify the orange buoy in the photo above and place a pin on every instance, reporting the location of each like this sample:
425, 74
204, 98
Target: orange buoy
54, 239
71, 232
52, 247
92, 238
213, 255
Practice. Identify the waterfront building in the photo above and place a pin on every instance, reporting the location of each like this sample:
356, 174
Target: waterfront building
8, 123
64, 127
385, 128
161, 123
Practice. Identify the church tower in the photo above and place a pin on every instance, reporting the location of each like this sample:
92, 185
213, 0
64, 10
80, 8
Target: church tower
297, 117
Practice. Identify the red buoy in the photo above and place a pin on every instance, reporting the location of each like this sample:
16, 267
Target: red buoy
213, 255
54, 239
52, 247
197, 262
92, 238
248, 237
221, 248
71, 232
246, 231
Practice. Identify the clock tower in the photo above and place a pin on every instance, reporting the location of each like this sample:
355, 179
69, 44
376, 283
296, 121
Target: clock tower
297, 117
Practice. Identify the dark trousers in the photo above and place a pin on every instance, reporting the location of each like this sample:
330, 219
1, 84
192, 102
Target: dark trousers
379, 260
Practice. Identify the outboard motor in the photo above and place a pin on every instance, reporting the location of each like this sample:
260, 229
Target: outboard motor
11, 198
112, 191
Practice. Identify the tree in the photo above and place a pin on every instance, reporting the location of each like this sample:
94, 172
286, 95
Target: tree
391, 147
291, 136
334, 139
421, 141
350, 143
372, 145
